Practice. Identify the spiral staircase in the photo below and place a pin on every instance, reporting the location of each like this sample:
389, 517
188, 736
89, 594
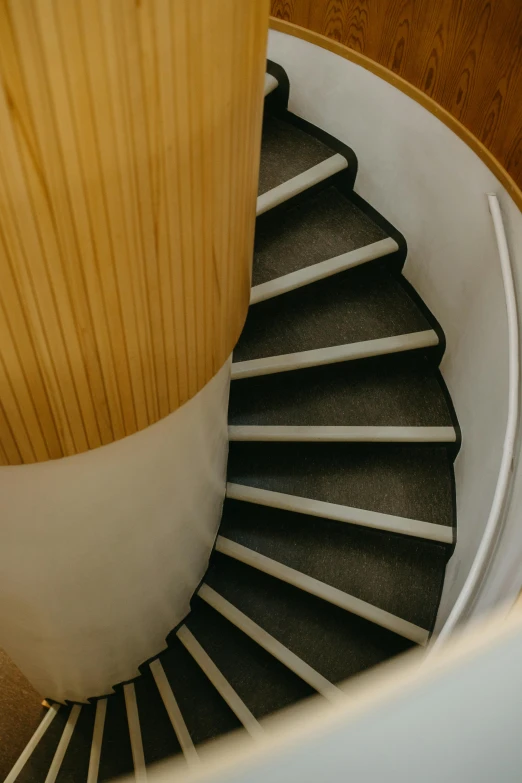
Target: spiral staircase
339, 517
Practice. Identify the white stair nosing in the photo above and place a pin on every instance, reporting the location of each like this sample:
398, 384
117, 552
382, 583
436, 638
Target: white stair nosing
133, 721
316, 357
304, 181
25, 755
219, 681
271, 83
269, 643
332, 266
97, 740
174, 713
322, 590
65, 739
332, 434
347, 514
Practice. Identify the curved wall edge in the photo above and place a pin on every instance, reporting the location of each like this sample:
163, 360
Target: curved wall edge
102, 551
413, 92
432, 185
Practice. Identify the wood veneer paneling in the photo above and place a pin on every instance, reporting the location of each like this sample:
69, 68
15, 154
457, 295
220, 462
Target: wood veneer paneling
130, 135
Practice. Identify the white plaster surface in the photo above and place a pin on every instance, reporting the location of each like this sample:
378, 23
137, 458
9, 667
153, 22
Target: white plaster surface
100, 553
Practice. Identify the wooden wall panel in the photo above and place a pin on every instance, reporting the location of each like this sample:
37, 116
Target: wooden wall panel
465, 54
130, 135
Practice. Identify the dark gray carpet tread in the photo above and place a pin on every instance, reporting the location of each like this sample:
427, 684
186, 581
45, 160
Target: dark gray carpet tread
407, 480
395, 390
337, 644
37, 767
287, 151
75, 764
116, 752
159, 738
399, 574
204, 711
21, 713
364, 303
260, 680
323, 226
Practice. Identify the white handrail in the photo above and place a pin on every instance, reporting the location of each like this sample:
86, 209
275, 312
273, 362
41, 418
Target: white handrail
473, 584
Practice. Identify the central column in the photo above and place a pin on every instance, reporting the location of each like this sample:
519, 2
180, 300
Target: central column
130, 135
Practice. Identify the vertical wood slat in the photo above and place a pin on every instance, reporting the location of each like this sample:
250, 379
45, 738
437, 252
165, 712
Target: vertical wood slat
128, 177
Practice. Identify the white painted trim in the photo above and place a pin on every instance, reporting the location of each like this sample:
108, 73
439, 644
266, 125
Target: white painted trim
65, 739
307, 179
314, 272
133, 720
97, 740
304, 434
336, 353
219, 681
33, 742
174, 712
270, 83
475, 579
339, 513
270, 644
322, 590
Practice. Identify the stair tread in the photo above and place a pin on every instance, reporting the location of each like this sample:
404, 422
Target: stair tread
38, 764
357, 305
412, 481
260, 680
116, 752
323, 226
396, 390
287, 151
204, 711
75, 764
157, 733
400, 574
335, 643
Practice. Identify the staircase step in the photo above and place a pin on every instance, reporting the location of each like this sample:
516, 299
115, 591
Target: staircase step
397, 574
333, 642
159, 738
340, 313
262, 682
219, 681
286, 152
324, 226
271, 83
75, 764
322, 590
401, 390
97, 740
269, 643
133, 721
176, 718
35, 760
116, 751
205, 712
409, 481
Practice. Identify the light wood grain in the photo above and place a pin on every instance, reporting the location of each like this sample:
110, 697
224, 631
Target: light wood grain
464, 54
128, 176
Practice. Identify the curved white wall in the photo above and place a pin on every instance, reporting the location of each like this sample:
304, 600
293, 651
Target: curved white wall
101, 552
433, 188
